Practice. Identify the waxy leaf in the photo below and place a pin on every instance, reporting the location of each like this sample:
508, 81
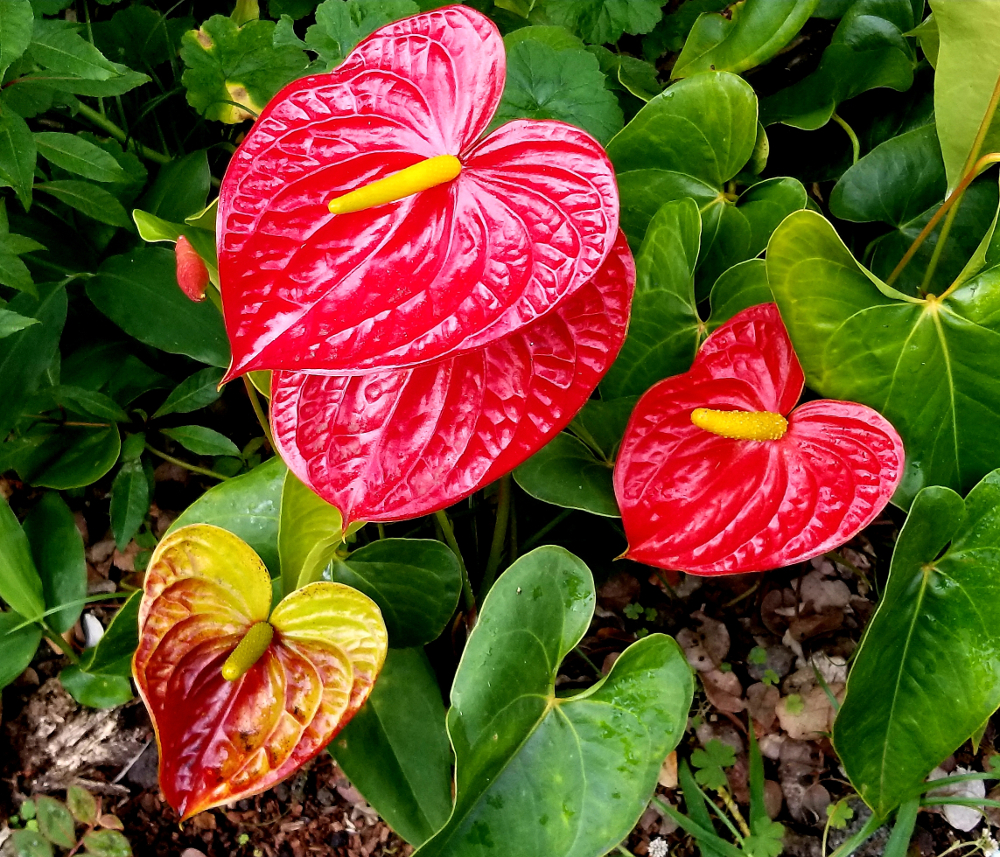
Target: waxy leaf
529, 219
929, 366
18, 646
58, 554
698, 500
539, 773
919, 687
399, 444
221, 740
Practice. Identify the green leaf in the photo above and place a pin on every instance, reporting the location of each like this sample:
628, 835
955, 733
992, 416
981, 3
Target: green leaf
899, 718
710, 763
180, 188
138, 291
704, 127
12, 322
868, 50
112, 656
25, 356
341, 24
696, 805
81, 804
55, 822
395, 750
202, 441
895, 182
928, 367
601, 424
18, 646
557, 38
106, 843
63, 456
755, 31
16, 19
966, 73
310, 531
96, 691
30, 843
567, 473
14, 273
623, 72
88, 199
129, 501
87, 403
766, 838
415, 582
603, 21
538, 773
247, 506
567, 85
232, 72
58, 554
20, 585
61, 49
76, 155
192, 394
17, 155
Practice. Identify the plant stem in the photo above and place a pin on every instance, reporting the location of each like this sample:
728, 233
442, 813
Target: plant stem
258, 410
855, 145
113, 130
381, 530
544, 531
452, 542
734, 811
194, 468
65, 647
499, 536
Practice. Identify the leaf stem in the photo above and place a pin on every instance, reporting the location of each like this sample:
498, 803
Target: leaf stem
258, 410
113, 130
65, 647
734, 811
855, 145
449, 536
499, 536
194, 468
544, 531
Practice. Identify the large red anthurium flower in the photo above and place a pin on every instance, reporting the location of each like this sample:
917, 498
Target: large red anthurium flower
240, 695
718, 475
402, 443
366, 223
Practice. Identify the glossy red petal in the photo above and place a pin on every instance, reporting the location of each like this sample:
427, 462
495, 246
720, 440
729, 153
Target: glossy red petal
395, 445
192, 273
531, 217
705, 504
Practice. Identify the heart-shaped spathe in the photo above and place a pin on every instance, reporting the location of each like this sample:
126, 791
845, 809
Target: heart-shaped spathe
695, 501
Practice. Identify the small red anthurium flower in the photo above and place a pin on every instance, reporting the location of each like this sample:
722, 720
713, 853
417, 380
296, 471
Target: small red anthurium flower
718, 475
366, 223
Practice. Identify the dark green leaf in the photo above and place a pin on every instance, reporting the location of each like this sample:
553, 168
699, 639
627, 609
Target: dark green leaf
895, 182
192, 394
601, 424
603, 21
81, 804
17, 154
112, 656
12, 322
554, 775
247, 506
202, 441
63, 456
567, 473
567, 85
557, 38
915, 659
30, 843
106, 843
232, 71
140, 37
624, 72
180, 188
87, 403
18, 646
20, 585
766, 838
58, 554
61, 49
14, 273
341, 24
753, 33
415, 582
96, 691
129, 501
16, 19
395, 750
88, 199
138, 291
55, 822
76, 155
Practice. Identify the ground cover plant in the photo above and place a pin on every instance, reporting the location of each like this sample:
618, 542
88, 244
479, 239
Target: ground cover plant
529, 426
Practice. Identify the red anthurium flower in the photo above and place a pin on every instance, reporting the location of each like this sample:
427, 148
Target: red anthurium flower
402, 443
715, 476
240, 695
192, 273
366, 223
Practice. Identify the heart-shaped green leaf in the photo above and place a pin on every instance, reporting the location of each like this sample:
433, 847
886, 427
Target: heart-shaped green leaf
928, 366
415, 582
538, 773
242, 696
396, 751
927, 674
